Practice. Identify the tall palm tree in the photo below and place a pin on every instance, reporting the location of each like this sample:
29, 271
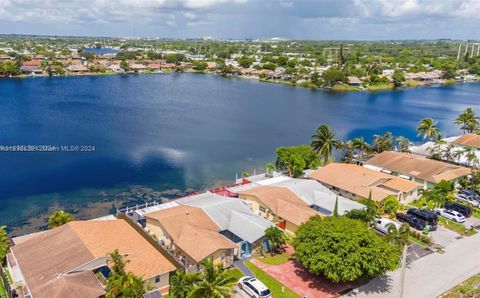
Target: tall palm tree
383, 142
348, 149
437, 151
214, 283
59, 218
360, 145
121, 283
403, 144
471, 156
324, 142
181, 284
398, 237
468, 120
427, 128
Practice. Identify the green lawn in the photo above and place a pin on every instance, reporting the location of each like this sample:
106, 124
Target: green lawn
418, 241
476, 213
274, 285
456, 227
276, 259
235, 273
469, 288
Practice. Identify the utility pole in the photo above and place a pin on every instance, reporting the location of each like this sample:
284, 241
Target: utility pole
403, 268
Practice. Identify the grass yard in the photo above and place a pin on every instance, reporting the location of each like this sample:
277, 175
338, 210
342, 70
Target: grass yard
418, 241
276, 259
274, 285
469, 288
235, 273
456, 227
476, 213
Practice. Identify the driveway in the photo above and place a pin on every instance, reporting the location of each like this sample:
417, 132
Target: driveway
299, 280
431, 275
239, 293
444, 236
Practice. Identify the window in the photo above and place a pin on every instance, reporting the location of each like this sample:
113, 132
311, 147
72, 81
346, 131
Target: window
263, 209
157, 279
223, 255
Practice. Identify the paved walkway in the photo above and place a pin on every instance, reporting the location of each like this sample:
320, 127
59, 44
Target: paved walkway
431, 275
240, 264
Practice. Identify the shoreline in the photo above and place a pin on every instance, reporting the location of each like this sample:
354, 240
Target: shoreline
340, 88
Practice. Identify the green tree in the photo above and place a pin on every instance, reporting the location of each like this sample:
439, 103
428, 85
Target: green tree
4, 245
403, 144
390, 205
269, 66
398, 78
361, 146
427, 128
324, 142
174, 58
245, 62
471, 156
398, 237
124, 65
367, 214
293, 160
315, 78
467, 120
343, 249
181, 284
122, 284
382, 142
214, 282
275, 237
59, 218
332, 76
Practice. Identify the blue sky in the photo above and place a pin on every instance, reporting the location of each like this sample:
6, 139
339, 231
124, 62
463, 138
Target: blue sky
295, 19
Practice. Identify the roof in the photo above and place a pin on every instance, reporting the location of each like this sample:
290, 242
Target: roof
230, 214
353, 80
418, 166
361, 181
192, 231
282, 202
468, 139
325, 203
46, 259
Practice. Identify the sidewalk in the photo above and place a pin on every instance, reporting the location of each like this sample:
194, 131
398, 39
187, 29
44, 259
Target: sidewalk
429, 276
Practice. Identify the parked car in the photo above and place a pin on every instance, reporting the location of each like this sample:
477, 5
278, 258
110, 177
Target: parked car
253, 287
429, 217
464, 210
413, 221
467, 199
450, 214
382, 224
470, 193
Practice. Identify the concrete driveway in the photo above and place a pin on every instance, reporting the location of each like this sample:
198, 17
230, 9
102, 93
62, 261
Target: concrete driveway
444, 236
239, 293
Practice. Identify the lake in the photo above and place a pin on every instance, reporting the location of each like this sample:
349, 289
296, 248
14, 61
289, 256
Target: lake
166, 135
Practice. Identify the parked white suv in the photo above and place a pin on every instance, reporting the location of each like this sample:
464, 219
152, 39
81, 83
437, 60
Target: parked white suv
254, 287
450, 214
467, 199
382, 224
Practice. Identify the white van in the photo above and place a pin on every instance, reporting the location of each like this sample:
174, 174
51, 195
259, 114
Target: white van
381, 224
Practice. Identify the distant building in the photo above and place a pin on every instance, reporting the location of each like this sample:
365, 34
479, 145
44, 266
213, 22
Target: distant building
354, 81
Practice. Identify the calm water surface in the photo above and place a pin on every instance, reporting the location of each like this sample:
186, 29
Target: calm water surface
179, 131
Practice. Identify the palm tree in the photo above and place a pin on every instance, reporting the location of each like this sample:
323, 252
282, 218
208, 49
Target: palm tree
436, 152
121, 283
468, 120
4, 245
433, 196
398, 237
360, 145
275, 238
403, 144
214, 283
427, 128
59, 218
471, 156
324, 142
348, 149
181, 284
383, 142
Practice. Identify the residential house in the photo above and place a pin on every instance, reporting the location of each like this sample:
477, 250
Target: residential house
138, 67
190, 235
354, 181
354, 81
77, 68
420, 169
279, 205
71, 260
235, 220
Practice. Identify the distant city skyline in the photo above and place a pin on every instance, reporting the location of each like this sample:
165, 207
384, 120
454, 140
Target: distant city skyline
240, 19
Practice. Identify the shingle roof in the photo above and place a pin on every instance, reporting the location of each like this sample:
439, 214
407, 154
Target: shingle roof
230, 214
192, 231
46, 259
361, 181
283, 203
418, 166
468, 139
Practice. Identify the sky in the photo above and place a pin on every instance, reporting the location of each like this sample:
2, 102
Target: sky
239, 19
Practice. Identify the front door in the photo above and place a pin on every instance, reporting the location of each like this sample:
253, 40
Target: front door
245, 250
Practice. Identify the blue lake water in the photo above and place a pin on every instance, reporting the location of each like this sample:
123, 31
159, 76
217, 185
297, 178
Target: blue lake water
179, 132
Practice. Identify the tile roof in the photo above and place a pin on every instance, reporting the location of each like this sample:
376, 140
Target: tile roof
192, 230
418, 166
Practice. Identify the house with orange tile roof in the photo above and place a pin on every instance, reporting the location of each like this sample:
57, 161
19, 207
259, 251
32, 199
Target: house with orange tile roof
354, 181
71, 260
279, 205
190, 235
421, 169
